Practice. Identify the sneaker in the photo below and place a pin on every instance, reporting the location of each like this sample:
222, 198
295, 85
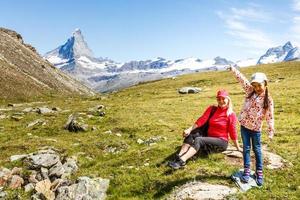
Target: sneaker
176, 164
259, 178
245, 176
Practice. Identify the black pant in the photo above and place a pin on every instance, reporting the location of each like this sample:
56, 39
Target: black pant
206, 144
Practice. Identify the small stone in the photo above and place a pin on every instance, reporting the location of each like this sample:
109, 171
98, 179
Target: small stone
140, 141
29, 187
17, 157
118, 134
16, 182
108, 132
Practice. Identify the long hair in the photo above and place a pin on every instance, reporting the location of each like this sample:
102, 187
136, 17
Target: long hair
230, 106
266, 98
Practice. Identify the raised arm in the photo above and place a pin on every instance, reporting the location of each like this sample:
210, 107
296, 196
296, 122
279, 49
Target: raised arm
242, 80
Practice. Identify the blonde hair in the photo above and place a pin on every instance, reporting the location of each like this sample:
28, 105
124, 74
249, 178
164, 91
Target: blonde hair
230, 106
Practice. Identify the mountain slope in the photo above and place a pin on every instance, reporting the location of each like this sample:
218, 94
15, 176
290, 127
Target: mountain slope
157, 114
24, 73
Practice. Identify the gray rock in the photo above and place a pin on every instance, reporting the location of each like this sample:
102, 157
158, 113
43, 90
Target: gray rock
70, 166
44, 173
74, 126
17, 157
44, 110
85, 188
35, 122
57, 170
200, 191
189, 90
46, 160
29, 187
27, 110
17, 118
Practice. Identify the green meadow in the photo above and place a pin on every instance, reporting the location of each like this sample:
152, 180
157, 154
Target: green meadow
156, 109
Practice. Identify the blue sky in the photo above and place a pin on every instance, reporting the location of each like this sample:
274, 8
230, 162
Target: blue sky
125, 30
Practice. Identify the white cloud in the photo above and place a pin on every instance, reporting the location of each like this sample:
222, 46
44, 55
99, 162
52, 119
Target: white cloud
295, 24
240, 24
296, 5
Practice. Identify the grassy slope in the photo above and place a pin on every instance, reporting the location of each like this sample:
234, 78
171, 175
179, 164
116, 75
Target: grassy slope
156, 109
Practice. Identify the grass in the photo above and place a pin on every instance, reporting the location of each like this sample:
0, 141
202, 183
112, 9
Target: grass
138, 171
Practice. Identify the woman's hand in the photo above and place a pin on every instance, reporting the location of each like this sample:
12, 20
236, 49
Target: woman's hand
186, 132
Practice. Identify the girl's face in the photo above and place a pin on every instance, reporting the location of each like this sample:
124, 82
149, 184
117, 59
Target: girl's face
259, 88
222, 101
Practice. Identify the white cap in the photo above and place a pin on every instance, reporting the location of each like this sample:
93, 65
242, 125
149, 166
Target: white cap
258, 77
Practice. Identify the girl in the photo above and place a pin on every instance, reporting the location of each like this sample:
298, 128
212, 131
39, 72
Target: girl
257, 106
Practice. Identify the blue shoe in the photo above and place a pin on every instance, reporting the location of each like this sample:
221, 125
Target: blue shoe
245, 176
259, 178
176, 164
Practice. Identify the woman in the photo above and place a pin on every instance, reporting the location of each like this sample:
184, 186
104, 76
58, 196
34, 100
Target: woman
221, 124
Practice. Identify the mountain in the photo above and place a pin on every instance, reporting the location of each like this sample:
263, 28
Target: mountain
75, 58
293, 54
104, 75
275, 54
24, 73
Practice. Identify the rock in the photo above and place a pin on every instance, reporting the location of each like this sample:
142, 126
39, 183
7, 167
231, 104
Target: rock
32, 177
17, 118
44, 173
44, 110
36, 122
2, 194
46, 160
27, 110
200, 191
17, 157
43, 187
108, 132
16, 182
70, 166
29, 187
2, 116
56, 109
86, 188
5, 175
16, 171
73, 126
57, 170
232, 152
189, 90
140, 141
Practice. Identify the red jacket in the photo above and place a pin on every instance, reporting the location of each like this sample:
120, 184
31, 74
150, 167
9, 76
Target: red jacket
219, 124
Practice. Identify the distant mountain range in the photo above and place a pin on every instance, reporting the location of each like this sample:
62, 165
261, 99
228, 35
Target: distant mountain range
25, 74
104, 75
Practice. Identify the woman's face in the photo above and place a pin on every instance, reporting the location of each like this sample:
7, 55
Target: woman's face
222, 101
259, 88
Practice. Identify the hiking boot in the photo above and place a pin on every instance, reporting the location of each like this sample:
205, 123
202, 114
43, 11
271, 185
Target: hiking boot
246, 175
259, 178
176, 164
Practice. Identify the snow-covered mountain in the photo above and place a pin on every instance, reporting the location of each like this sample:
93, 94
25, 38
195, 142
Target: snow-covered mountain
293, 54
77, 59
275, 54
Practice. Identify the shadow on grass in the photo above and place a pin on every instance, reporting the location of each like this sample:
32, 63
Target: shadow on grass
200, 154
165, 188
